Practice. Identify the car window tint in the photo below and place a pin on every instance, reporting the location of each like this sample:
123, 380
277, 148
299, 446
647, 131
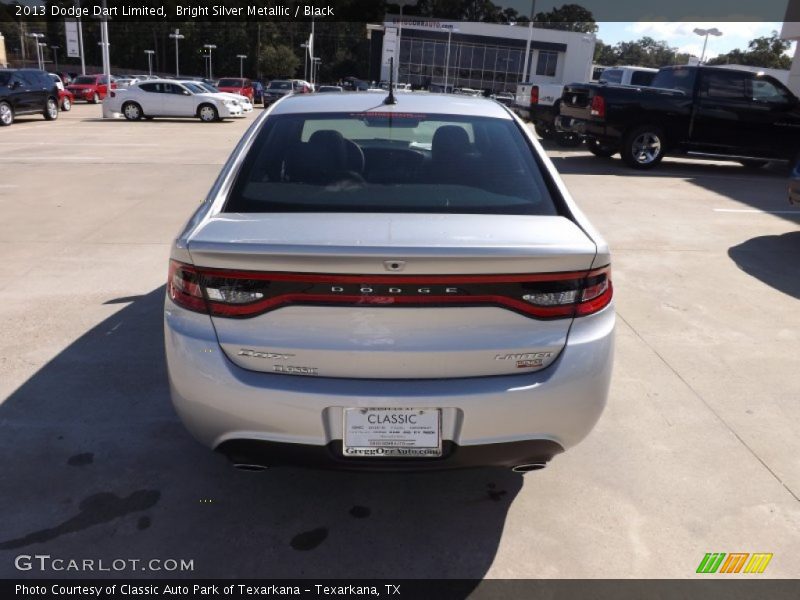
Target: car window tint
675, 79
611, 76
374, 162
149, 87
724, 85
643, 78
764, 90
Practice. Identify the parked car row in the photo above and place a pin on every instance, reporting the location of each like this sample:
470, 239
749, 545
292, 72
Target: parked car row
701, 111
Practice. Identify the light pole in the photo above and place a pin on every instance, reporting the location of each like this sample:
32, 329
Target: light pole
210, 47
402, 3
42, 46
315, 62
450, 29
37, 37
150, 61
528, 43
55, 55
177, 36
241, 58
705, 33
305, 46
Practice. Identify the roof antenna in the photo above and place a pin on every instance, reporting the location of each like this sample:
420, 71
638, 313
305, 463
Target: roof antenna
390, 99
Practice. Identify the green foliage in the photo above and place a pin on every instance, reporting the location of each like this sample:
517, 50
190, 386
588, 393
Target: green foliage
570, 17
644, 52
768, 51
278, 60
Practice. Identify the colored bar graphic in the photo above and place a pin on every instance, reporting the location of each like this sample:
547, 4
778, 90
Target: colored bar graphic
758, 563
734, 562
713, 562
710, 562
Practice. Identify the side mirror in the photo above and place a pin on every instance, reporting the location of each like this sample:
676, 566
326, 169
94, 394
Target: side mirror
15, 84
187, 93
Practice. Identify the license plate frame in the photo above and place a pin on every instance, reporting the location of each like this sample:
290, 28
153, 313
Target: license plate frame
396, 432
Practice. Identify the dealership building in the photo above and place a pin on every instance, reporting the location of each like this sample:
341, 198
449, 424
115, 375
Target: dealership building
434, 54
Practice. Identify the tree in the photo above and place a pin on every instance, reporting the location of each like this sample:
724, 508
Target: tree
644, 52
768, 52
570, 17
278, 60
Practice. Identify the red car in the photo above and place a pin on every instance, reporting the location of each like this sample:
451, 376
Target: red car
92, 88
237, 85
65, 99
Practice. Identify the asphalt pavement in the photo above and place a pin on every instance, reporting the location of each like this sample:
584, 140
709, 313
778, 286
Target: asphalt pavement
698, 450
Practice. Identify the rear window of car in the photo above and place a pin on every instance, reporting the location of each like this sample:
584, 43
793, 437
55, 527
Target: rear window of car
675, 79
611, 76
84, 80
643, 78
280, 85
230, 83
378, 162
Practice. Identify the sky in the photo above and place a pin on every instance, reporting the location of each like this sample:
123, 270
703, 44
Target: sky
680, 34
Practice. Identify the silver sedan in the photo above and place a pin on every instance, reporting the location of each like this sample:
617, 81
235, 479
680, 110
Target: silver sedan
393, 283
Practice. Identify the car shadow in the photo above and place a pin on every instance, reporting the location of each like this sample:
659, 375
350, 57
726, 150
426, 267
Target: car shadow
97, 465
763, 189
772, 259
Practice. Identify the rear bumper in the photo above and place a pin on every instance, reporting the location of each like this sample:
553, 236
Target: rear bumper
537, 113
224, 405
277, 454
570, 125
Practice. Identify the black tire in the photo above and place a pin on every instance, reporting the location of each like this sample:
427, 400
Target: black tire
51, 109
643, 147
754, 164
568, 140
208, 113
132, 111
544, 131
6, 114
600, 150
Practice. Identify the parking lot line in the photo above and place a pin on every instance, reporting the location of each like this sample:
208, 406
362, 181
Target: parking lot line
756, 210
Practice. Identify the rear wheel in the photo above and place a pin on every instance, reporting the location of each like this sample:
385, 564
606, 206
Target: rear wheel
132, 111
66, 104
643, 147
601, 150
207, 113
6, 114
51, 109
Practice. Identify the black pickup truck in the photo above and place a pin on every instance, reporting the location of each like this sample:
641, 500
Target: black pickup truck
707, 112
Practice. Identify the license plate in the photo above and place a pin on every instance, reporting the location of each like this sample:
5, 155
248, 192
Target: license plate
393, 432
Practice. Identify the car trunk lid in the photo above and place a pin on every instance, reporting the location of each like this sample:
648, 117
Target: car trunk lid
412, 296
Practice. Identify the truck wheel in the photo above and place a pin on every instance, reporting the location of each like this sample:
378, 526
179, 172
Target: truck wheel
643, 147
544, 131
601, 150
568, 140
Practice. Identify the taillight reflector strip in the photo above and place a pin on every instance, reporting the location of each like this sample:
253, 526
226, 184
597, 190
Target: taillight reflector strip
242, 294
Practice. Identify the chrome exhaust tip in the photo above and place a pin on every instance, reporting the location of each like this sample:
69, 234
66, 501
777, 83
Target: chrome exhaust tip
249, 467
528, 467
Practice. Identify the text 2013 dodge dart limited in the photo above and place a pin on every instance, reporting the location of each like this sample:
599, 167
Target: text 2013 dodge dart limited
378, 285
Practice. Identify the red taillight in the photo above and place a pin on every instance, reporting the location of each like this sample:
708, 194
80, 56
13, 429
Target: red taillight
183, 287
598, 108
534, 94
242, 294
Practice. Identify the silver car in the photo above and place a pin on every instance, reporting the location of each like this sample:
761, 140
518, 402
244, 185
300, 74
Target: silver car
399, 283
